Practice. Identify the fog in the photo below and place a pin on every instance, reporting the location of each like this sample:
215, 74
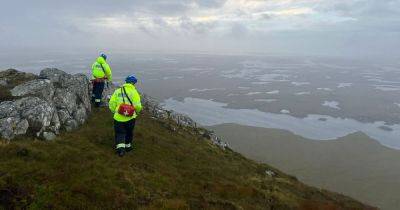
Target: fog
292, 27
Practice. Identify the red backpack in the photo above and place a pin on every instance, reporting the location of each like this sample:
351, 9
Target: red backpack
128, 110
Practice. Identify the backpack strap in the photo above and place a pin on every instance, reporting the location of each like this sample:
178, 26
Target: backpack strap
123, 88
122, 94
102, 68
104, 71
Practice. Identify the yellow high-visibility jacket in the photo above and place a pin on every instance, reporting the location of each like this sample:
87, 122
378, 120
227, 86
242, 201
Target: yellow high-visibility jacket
117, 99
98, 72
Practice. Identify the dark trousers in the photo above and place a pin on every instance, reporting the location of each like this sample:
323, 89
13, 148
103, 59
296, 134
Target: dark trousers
124, 134
98, 88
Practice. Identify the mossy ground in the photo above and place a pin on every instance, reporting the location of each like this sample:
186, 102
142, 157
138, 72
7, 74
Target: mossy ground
167, 170
12, 78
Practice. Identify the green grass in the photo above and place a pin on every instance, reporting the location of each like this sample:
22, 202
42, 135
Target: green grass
167, 170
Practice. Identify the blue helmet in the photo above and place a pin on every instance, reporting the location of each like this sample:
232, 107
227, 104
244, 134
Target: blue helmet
131, 79
104, 56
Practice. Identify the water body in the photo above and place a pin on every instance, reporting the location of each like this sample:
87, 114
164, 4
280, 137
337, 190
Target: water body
210, 113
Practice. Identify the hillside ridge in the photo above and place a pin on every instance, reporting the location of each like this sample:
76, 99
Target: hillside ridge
175, 165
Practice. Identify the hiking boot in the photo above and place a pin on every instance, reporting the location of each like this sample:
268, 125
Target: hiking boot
121, 152
128, 149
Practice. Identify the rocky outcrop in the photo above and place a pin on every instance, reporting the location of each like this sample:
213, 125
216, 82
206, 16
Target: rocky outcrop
44, 105
176, 121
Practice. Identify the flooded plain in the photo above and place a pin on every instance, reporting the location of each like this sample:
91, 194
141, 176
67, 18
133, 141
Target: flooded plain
316, 127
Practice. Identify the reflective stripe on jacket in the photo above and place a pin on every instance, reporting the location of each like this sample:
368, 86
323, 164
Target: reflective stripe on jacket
98, 72
118, 98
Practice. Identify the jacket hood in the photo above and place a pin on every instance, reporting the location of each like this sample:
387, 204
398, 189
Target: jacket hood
129, 85
101, 60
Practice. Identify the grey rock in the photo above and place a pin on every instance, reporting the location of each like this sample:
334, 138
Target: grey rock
79, 85
71, 125
65, 99
55, 123
270, 173
80, 115
52, 102
85, 100
68, 123
82, 79
49, 136
13, 126
183, 121
68, 80
38, 112
63, 116
217, 141
8, 109
22, 127
4, 82
51, 74
82, 91
42, 88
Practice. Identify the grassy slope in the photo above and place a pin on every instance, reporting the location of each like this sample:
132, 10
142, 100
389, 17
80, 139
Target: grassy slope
167, 170
354, 165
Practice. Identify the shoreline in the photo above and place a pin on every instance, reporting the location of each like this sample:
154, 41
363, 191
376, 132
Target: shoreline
211, 113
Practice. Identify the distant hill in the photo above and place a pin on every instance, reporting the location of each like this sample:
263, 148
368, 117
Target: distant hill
355, 165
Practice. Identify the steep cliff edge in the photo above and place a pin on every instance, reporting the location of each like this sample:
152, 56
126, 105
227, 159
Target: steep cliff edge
175, 165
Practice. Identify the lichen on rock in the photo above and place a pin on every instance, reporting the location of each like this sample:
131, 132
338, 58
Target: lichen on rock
43, 105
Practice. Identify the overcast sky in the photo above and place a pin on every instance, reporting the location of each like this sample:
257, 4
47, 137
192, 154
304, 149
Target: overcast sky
326, 27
